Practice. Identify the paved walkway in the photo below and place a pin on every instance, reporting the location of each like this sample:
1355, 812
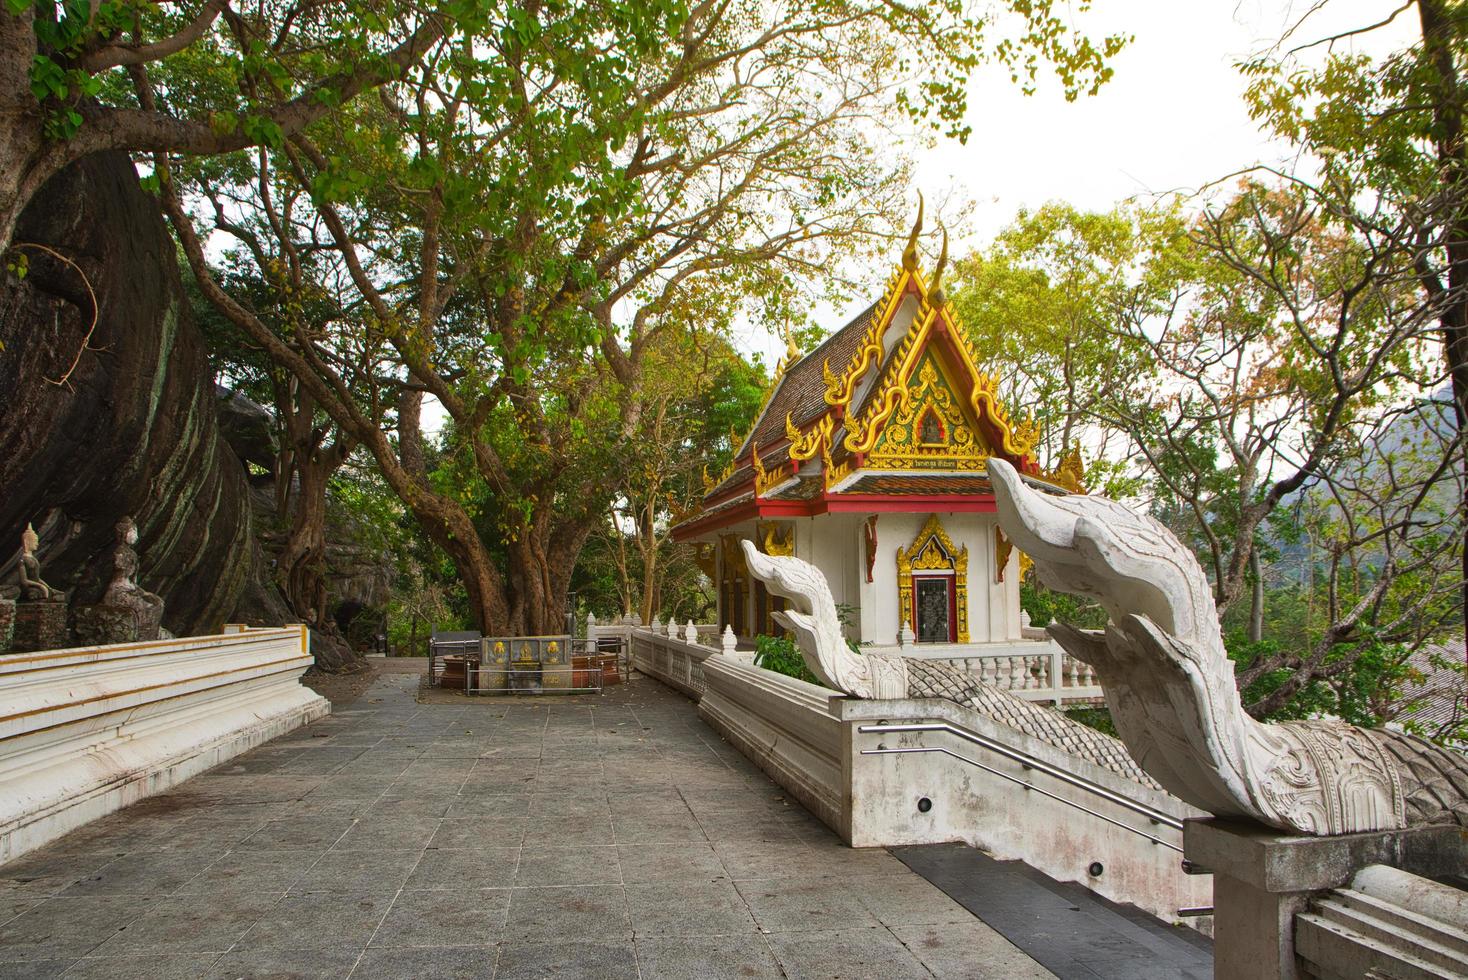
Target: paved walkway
578, 837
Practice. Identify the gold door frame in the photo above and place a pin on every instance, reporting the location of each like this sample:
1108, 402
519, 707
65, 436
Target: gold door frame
931, 550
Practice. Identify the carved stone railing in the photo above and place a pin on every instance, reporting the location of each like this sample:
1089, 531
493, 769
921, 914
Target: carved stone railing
86, 731
1049, 675
673, 660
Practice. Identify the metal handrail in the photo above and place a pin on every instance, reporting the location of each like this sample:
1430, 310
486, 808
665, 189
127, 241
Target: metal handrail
1029, 762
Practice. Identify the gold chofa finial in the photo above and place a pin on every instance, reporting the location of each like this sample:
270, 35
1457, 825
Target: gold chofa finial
935, 288
910, 254
792, 352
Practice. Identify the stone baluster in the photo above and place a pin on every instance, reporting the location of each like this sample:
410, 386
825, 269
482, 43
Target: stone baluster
728, 640
690, 632
656, 627
1017, 670
986, 671
591, 633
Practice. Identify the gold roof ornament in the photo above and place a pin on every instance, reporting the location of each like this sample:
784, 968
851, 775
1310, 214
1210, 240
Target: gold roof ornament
910, 254
936, 296
1071, 472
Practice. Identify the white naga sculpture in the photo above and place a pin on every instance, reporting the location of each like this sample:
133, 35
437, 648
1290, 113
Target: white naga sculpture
1170, 685
811, 617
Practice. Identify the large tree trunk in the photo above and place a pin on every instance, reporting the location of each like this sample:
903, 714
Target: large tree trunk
1441, 37
300, 569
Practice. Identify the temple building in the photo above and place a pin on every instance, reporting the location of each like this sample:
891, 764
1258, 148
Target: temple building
869, 460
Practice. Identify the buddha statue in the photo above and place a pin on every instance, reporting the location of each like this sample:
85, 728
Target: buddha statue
124, 592
32, 587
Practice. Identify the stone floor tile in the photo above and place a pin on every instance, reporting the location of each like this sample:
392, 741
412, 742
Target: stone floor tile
676, 829
746, 860
667, 908
567, 960
850, 954
34, 969
480, 831
50, 870
580, 911
306, 831
369, 872
436, 963
144, 873
664, 862
968, 951
706, 958
391, 831
574, 828
568, 864
152, 966
317, 920
798, 905
906, 900
70, 923
185, 924
464, 867
446, 917
251, 871
284, 964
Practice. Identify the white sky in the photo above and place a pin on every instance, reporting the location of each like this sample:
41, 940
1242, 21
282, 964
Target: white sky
1171, 119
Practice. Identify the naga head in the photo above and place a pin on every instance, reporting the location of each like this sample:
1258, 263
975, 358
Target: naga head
811, 617
1098, 548
811, 613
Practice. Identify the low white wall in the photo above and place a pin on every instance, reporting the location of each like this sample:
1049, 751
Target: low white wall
787, 727
1010, 810
86, 731
808, 739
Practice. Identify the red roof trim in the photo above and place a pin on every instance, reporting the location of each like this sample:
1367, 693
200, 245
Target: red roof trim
842, 503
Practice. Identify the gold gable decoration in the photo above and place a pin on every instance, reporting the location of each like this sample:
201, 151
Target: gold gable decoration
902, 445
1014, 441
777, 539
809, 444
1071, 472
932, 550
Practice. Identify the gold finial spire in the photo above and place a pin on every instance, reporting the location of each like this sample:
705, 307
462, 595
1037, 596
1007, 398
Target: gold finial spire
792, 352
935, 288
910, 254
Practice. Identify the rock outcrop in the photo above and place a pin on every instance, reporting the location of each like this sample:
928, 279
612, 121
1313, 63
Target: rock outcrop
99, 422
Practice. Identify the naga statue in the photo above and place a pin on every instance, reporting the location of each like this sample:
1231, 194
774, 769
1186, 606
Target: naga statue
812, 619
32, 587
1170, 685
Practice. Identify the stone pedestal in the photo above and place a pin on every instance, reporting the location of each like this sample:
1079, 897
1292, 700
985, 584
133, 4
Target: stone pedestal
1263, 878
100, 625
39, 626
7, 624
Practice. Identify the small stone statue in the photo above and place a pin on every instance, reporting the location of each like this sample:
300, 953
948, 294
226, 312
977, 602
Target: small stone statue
124, 592
32, 588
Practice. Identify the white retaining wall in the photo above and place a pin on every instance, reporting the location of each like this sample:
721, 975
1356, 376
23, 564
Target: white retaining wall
86, 731
807, 739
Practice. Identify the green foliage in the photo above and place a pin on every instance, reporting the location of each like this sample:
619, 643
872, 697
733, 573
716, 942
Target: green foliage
780, 654
1098, 718
1046, 606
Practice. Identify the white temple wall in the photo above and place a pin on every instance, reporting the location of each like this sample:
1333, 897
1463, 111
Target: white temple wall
835, 543
993, 608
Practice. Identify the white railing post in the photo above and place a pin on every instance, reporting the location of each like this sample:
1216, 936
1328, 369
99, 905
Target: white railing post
728, 641
1055, 667
690, 633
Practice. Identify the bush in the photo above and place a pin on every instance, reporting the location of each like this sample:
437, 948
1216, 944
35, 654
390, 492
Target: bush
779, 653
